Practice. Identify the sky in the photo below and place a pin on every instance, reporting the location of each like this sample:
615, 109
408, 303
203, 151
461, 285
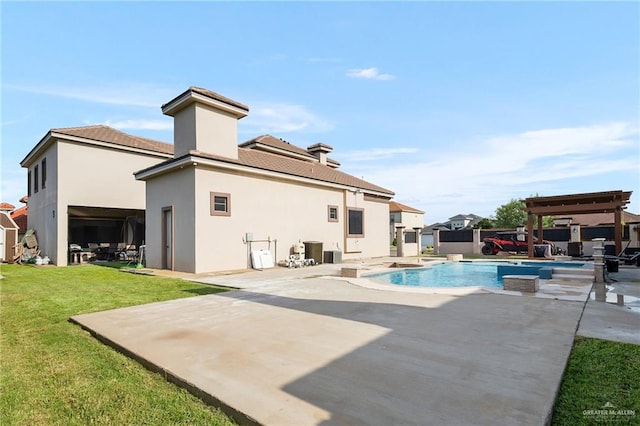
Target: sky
457, 107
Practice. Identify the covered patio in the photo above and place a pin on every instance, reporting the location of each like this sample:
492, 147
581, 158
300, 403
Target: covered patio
593, 202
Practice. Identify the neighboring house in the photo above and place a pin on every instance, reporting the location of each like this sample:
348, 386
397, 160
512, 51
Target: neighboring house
6, 207
409, 217
19, 216
205, 205
198, 203
595, 219
81, 187
462, 221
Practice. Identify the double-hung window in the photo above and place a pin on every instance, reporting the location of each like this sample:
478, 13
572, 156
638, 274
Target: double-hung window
332, 212
219, 204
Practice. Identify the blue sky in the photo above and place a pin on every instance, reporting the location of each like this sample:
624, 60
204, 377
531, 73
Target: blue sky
458, 107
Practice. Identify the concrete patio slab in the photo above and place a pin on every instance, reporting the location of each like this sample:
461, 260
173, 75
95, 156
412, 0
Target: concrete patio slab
619, 318
321, 351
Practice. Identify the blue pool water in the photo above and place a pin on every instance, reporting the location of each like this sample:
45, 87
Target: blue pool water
457, 274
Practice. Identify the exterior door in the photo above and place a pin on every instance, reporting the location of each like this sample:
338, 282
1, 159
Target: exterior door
10, 240
167, 238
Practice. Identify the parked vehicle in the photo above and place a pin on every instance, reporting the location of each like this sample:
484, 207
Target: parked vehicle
511, 241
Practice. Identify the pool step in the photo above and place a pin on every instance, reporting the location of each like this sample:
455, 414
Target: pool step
573, 274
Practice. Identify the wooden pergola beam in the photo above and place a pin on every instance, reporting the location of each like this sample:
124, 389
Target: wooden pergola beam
595, 202
575, 209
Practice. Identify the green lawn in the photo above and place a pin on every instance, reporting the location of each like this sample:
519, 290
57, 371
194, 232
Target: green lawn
601, 376
53, 372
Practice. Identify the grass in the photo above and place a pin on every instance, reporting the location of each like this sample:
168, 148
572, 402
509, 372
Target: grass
600, 373
53, 372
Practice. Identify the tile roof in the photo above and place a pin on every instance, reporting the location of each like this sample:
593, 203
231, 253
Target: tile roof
209, 94
108, 134
394, 206
6, 206
19, 216
281, 164
246, 156
595, 219
280, 144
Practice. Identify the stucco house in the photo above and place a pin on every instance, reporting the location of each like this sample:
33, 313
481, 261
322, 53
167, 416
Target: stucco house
409, 217
202, 203
462, 221
81, 187
206, 204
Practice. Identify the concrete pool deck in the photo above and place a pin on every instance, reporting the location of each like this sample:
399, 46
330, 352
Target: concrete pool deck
304, 347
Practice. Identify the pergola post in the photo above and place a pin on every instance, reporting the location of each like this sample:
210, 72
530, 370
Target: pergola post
617, 214
530, 234
540, 236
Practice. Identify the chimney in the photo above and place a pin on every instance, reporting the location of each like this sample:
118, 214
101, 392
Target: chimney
205, 121
320, 151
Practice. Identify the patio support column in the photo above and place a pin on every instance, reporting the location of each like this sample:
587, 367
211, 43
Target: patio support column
530, 234
618, 229
598, 270
436, 241
400, 240
418, 232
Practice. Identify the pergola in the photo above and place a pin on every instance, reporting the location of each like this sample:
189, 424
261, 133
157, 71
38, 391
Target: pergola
593, 202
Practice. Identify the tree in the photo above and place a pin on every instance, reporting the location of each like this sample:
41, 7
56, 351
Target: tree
511, 214
514, 214
485, 223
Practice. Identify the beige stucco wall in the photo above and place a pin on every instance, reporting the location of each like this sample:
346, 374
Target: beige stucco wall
44, 216
203, 128
176, 191
412, 220
82, 175
267, 207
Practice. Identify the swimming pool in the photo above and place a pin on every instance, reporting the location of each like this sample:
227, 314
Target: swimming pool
457, 274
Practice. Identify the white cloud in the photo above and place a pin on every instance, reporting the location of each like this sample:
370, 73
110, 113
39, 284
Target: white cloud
369, 74
492, 171
141, 124
140, 95
282, 118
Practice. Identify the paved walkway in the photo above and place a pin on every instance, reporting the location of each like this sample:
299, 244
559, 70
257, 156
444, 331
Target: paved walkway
303, 347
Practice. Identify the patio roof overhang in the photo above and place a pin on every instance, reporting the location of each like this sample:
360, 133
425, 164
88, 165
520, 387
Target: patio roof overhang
592, 202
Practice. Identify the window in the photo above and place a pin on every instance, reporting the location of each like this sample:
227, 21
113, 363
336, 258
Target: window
44, 173
355, 225
29, 183
410, 237
333, 213
35, 179
220, 204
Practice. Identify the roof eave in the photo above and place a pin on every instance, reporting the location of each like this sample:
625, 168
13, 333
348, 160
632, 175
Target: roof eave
189, 96
194, 160
45, 142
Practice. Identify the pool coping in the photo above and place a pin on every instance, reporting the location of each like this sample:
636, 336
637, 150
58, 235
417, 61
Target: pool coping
575, 290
